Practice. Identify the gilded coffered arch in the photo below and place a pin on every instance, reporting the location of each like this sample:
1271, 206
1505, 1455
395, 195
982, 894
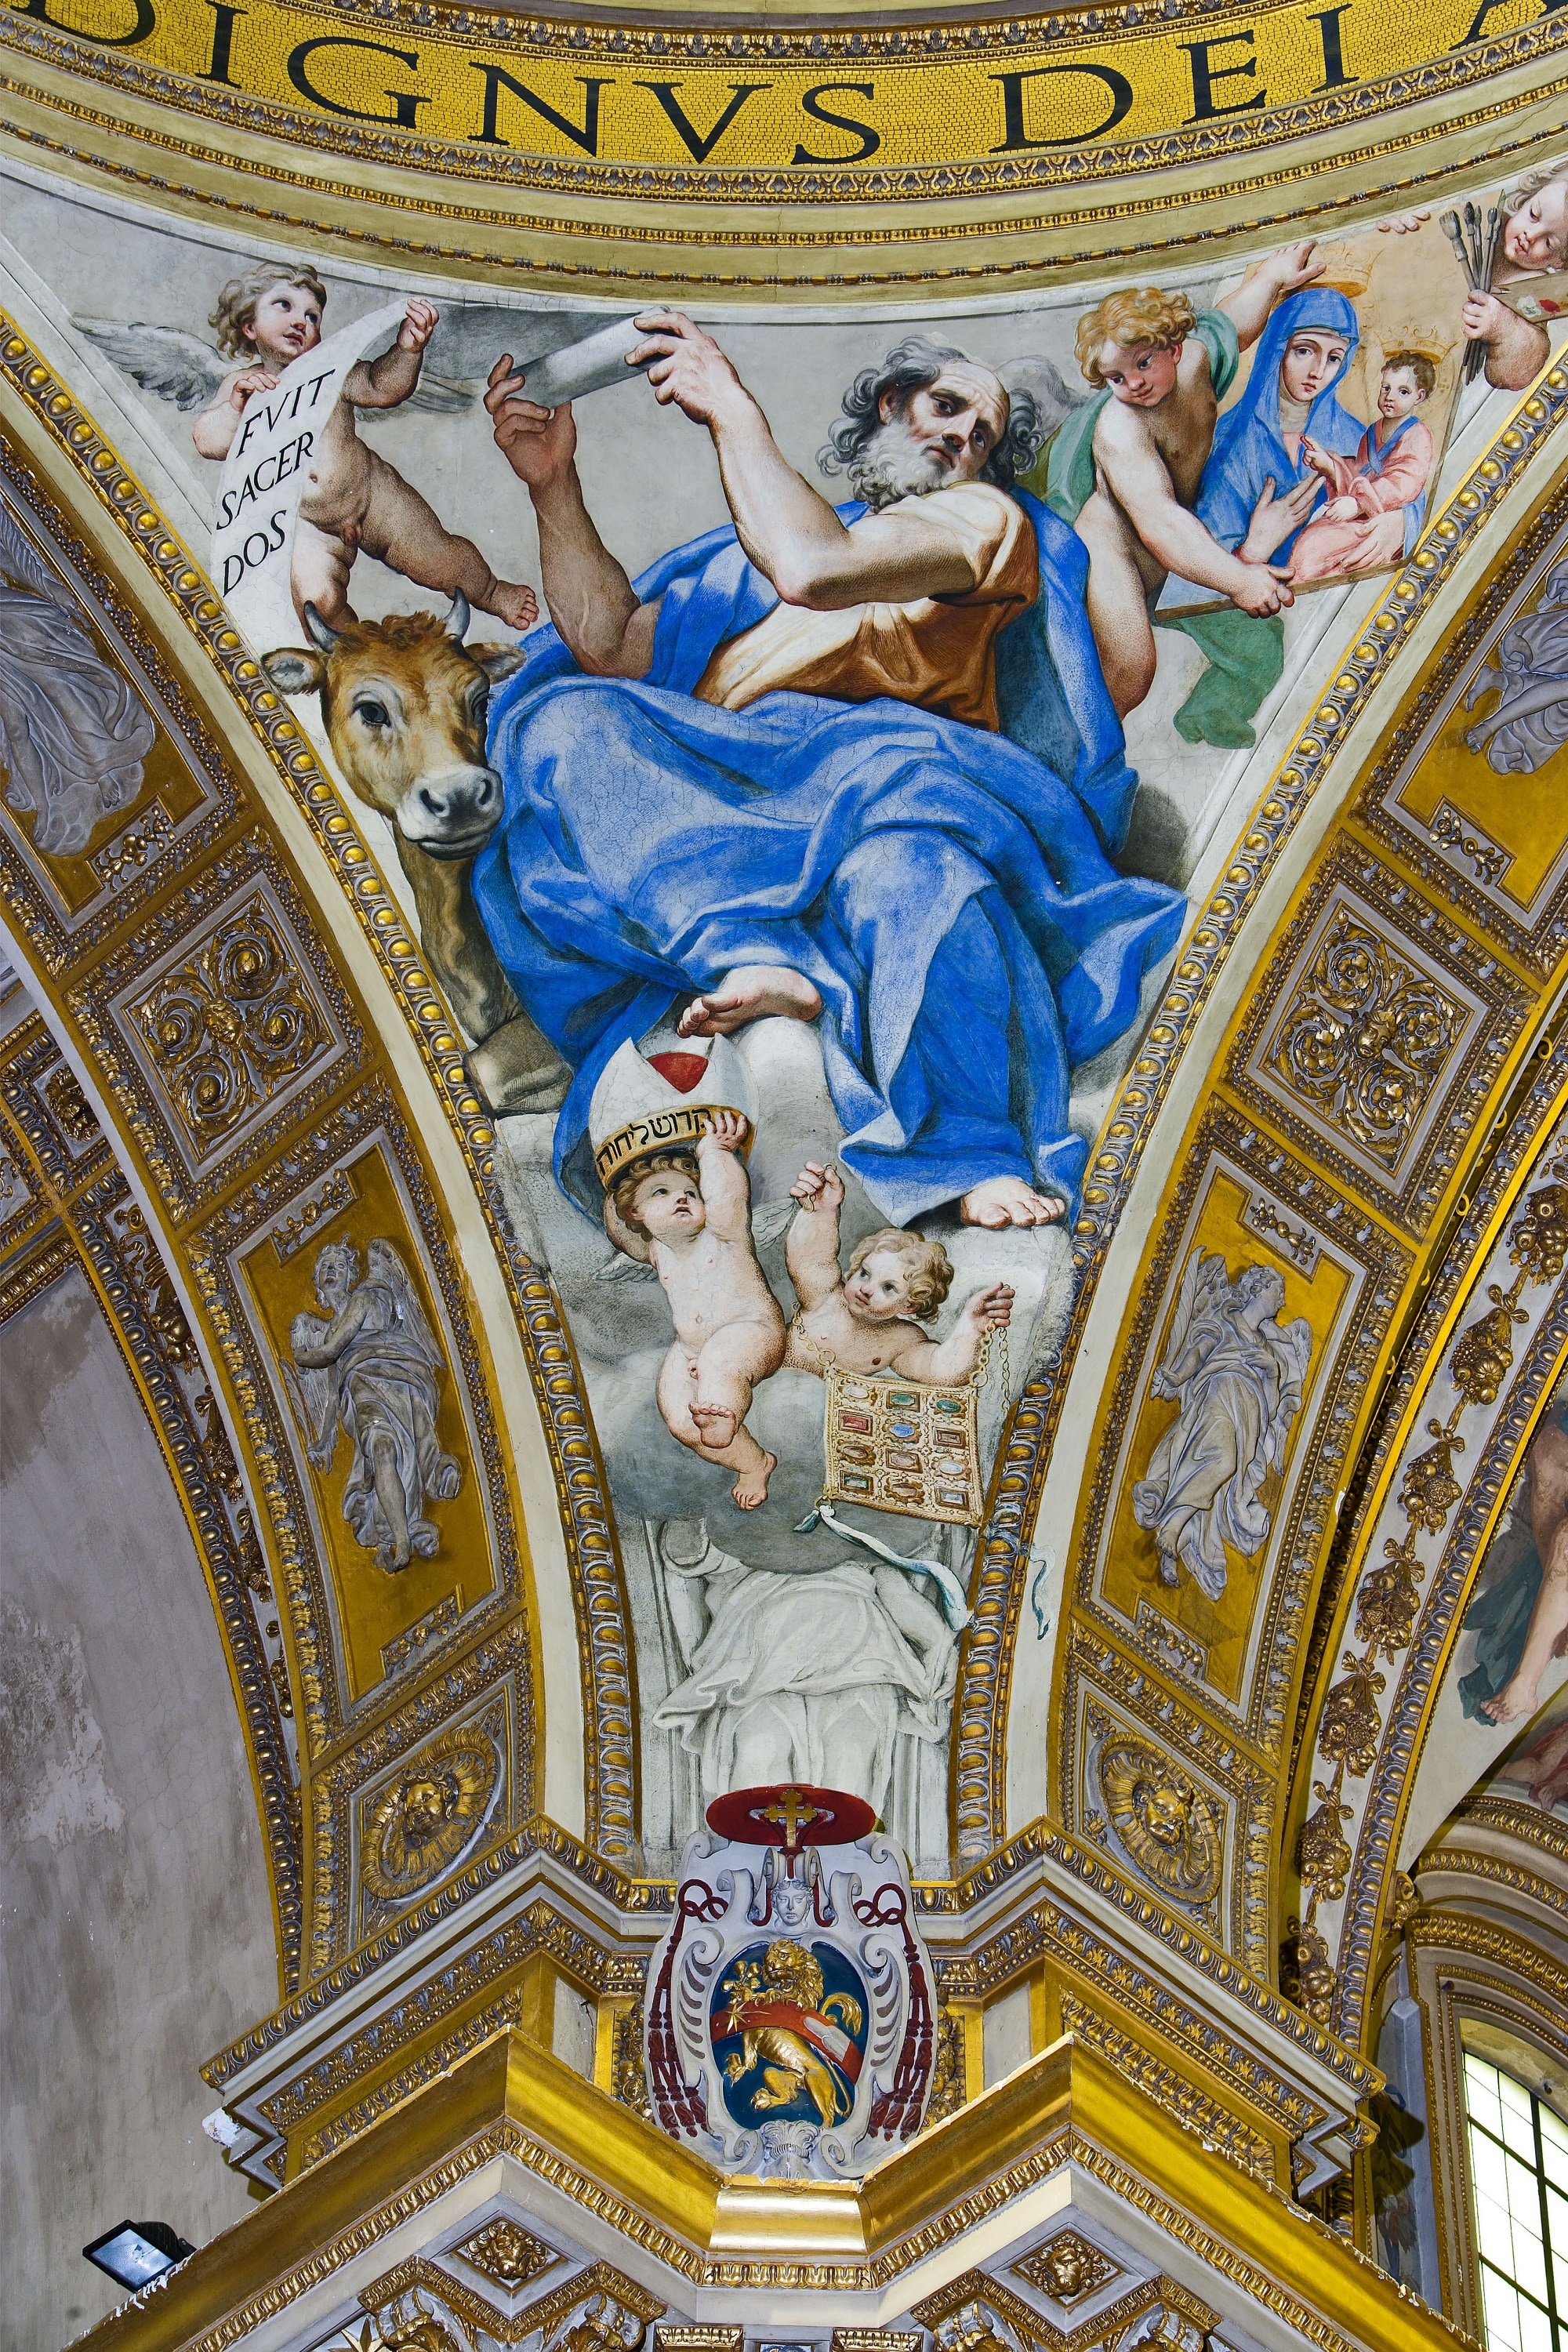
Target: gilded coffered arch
1150, 1688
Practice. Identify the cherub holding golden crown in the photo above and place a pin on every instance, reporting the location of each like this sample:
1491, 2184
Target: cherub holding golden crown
688, 1215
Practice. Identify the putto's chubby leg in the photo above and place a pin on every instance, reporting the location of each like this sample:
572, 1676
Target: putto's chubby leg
403, 530
318, 573
752, 991
1118, 604
1008, 1201
715, 1426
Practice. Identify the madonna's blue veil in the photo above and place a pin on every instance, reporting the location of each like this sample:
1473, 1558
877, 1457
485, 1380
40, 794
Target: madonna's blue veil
1248, 449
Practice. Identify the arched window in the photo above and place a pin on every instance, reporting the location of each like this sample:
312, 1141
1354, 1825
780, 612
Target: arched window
1518, 2169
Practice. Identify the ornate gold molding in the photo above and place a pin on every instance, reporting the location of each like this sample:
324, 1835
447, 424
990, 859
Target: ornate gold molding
1019, 104
512, 2101
595, 1577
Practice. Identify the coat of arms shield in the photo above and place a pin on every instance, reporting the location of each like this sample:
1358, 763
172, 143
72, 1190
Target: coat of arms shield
789, 2021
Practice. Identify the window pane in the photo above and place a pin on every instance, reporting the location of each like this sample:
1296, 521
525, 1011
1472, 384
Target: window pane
1501, 2313
1555, 2147
1557, 2208
1518, 2129
1525, 2290
1481, 2094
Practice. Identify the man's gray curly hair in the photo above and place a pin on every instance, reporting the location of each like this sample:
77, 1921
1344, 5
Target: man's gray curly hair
909, 368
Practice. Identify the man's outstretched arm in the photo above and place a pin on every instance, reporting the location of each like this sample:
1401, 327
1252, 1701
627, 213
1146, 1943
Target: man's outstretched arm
790, 532
1139, 482
591, 600
1267, 282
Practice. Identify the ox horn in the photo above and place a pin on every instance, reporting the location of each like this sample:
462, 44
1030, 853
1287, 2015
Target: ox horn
458, 618
325, 640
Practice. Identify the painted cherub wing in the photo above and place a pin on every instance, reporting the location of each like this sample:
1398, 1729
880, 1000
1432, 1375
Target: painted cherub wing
181, 368
313, 1390
383, 1264
774, 1218
1199, 1300
625, 1269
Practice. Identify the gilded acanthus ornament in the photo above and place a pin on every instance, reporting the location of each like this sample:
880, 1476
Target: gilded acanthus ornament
1483, 1357
432, 1812
973, 2329
1067, 2267
1539, 1243
1365, 1039
1350, 1724
1430, 1490
231, 1025
506, 2253
1168, 1828
1389, 1598
1322, 1856
72, 1112
1305, 1975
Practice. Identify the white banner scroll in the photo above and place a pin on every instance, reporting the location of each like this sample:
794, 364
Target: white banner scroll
594, 363
266, 474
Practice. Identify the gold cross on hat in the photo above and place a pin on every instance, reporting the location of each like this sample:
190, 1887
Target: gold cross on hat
793, 1812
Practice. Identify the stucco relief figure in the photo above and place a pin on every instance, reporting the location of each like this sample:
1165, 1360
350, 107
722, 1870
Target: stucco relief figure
72, 735
371, 1368
1237, 1374
1522, 730
817, 1678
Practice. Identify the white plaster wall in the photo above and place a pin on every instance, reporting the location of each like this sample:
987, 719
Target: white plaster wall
137, 1925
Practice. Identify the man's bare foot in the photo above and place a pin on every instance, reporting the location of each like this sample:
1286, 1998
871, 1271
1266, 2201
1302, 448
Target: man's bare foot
751, 1486
716, 1426
517, 607
1509, 1704
754, 992
1008, 1201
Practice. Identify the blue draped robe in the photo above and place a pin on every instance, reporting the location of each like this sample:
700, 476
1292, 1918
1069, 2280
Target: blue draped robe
948, 890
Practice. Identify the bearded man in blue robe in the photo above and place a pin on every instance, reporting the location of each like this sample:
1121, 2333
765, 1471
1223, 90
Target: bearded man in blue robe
853, 766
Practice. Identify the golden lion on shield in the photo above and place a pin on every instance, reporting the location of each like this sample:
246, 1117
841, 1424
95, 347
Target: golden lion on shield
780, 2013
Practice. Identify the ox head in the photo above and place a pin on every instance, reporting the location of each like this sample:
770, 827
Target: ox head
404, 701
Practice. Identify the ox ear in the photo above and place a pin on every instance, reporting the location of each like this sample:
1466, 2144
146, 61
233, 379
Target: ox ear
497, 661
293, 670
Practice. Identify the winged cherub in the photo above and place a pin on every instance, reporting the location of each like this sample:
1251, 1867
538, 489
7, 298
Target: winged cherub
353, 500
370, 1367
1237, 1374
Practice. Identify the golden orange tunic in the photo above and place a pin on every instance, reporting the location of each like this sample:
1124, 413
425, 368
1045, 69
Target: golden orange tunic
936, 651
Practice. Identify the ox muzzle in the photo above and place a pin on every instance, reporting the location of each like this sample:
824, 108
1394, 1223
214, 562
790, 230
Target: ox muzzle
453, 812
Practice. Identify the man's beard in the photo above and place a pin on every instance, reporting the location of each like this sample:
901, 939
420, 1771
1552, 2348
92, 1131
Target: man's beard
895, 465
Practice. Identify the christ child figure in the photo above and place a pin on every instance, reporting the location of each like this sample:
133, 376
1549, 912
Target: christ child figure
869, 1320
1377, 499
353, 499
688, 1215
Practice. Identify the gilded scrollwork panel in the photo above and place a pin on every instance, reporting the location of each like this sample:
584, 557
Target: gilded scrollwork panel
347, 1329
1242, 1369
1462, 1432
86, 840
1470, 789
1376, 1035
1169, 1798
219, 1033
